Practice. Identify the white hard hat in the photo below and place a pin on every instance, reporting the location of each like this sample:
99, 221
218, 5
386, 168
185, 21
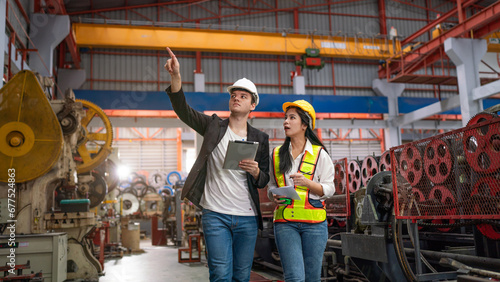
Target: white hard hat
246, 84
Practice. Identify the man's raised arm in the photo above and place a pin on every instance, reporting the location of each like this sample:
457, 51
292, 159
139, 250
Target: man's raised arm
173, 67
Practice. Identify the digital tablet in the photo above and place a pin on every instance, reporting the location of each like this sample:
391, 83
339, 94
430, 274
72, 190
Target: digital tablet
239, 150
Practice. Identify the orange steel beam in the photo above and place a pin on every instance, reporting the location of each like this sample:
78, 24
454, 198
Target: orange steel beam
179, 149
140, 113
156, 38
347, 134
320, 134
382, 140
334, 133
156, 133
437, 21
138, 132
144, 139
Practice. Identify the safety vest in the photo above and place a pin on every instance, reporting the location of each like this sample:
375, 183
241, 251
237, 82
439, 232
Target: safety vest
299, 211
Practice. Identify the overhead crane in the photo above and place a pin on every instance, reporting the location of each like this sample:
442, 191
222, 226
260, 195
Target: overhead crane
156, 38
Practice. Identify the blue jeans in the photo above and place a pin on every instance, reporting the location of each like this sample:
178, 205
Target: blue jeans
301, 247
230, 242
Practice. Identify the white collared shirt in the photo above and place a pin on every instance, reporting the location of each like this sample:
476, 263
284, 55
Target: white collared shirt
324, 172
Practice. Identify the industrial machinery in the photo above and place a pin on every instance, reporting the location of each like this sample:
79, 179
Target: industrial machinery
54, 153
431, 212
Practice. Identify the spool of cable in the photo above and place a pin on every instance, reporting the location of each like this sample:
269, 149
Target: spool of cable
139, 186
485, 197
339, 179
157, 179
369, 168
438, 161
447, 198
130, 203
166, 190
411, 165
173, 173
385, 161
481, 117
123, 184
482, 144
135, 177
354, 175
415, 197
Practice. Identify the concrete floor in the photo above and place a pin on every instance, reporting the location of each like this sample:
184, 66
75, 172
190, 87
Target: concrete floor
160, 264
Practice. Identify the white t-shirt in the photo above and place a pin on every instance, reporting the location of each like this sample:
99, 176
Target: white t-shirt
323, 175
226, 190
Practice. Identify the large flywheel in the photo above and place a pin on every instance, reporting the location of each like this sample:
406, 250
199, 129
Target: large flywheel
31, 139
95, 144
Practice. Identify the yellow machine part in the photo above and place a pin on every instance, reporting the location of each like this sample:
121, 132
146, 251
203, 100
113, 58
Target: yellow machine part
95, 146
31, 138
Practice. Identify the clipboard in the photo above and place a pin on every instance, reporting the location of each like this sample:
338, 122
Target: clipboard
237, 151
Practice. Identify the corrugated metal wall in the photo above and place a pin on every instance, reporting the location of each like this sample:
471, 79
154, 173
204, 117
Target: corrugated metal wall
149, 155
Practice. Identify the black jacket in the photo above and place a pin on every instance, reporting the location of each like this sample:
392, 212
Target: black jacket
213, 128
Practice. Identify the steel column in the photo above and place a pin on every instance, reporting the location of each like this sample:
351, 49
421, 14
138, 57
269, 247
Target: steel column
46, 32
392, 91
466, 55
382, 17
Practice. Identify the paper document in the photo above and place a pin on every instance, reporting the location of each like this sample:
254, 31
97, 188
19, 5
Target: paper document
287, 191
238, 151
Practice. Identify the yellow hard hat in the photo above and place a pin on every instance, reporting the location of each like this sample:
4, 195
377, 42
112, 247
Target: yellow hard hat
305, 106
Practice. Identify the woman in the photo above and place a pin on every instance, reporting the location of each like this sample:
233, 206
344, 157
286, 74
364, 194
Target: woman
300, 227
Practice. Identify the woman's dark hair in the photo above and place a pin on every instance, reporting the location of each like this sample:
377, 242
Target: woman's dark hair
284, 153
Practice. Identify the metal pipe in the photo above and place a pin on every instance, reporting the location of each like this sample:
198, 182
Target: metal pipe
347, 262
458, 265
334, 243
492, 263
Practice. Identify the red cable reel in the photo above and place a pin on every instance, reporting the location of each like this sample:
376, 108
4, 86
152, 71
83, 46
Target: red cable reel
445, 197
438, 161
385, 162
411, 167
482, 144
416, 197
368, 169
354, 176
489, 188
339, 179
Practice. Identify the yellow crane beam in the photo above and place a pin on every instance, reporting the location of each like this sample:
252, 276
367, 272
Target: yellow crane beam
156, 38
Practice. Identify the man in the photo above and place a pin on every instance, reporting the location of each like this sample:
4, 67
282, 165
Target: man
229, 198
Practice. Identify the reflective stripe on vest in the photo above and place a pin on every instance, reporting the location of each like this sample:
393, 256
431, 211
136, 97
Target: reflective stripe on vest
299, 211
